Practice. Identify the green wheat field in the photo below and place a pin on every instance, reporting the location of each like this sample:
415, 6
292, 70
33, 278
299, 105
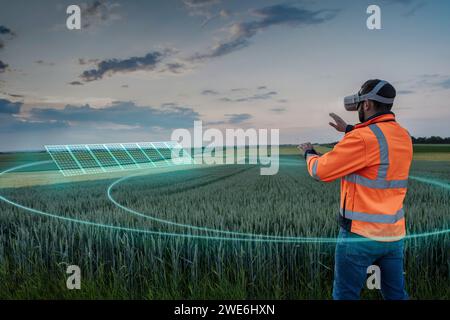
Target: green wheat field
35, 250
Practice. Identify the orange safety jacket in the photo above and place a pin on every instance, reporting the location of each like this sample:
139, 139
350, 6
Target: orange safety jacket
373, 161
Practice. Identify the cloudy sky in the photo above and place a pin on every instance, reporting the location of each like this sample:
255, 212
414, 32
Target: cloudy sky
137, 70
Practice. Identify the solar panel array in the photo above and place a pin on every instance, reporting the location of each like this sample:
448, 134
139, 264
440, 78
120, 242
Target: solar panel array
100, 158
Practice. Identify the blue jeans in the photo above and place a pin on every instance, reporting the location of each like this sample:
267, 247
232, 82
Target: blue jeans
352, 260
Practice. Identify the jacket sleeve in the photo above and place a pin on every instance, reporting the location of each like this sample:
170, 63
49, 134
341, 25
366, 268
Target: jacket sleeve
348, 156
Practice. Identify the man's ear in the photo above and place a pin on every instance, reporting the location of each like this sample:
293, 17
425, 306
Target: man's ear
368, 105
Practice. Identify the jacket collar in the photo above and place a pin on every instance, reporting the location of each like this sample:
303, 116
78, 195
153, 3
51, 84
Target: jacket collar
377, 117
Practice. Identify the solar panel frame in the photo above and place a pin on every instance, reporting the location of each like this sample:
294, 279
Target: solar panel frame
85, 159
105, 157
138, 155
82, 159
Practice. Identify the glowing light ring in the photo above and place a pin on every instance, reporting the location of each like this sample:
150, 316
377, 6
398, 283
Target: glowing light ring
264, 236
252, 237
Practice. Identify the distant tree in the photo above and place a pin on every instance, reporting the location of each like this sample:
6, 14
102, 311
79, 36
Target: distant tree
431, 140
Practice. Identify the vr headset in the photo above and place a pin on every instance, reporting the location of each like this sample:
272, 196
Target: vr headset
351, 102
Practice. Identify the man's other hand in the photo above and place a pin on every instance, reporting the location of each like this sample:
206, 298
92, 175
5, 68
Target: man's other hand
305, 147
340, 124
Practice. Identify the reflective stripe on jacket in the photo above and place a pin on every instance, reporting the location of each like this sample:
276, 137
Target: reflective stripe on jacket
373, 161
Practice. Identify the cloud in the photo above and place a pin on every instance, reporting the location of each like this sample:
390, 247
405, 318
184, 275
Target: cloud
82, 61
436, 81
121, 113
412, 6
76, 83
14, 95
99, 12
404, 2
414, 9
9, 107
10, 120
420, 83
237, 118
3, 66
203, 8
199, 3
5, 30
44, 63
174, 67
278, 110
149, 62
276, 15
209, 92
211, 16
221, 49
10, 124
82, 123
405, 92
242, 94
445, 84
258, 96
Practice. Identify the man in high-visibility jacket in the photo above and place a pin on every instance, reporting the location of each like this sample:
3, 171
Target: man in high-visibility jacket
373, 161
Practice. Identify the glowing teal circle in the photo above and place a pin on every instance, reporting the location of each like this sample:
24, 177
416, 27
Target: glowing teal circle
251, 237
264, 236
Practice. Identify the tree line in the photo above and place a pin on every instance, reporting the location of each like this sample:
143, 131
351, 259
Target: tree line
430, 140
418, 140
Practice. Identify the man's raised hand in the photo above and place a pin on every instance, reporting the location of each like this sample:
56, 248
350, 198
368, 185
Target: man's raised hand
340, 124
305, 147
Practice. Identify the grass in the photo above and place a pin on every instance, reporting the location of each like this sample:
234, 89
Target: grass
431, 148
35, 250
